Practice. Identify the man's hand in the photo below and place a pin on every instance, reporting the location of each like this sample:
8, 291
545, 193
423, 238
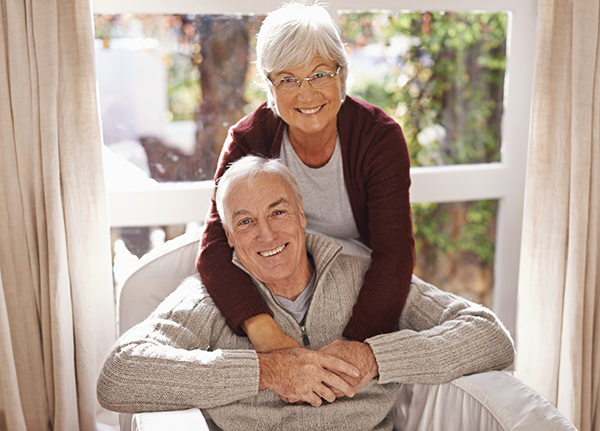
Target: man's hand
360, 355
298, 374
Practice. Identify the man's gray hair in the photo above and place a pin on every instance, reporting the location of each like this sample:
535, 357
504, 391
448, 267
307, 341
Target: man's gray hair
292, 36
247, 168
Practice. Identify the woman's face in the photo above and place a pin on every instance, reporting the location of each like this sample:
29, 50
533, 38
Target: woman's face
309, 111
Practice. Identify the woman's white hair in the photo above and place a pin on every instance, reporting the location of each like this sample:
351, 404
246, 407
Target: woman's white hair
292, 36
247, 168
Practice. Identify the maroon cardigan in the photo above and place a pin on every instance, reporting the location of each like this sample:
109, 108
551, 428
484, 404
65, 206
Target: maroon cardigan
377, 175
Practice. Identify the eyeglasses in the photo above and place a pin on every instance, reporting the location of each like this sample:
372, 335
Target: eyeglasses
292, 84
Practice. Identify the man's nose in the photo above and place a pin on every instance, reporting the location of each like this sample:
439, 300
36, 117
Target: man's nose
265, 230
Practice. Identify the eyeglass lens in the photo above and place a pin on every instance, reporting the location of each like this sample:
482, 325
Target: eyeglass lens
317, 80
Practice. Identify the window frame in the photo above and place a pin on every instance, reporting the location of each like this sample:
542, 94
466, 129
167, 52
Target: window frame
173, 203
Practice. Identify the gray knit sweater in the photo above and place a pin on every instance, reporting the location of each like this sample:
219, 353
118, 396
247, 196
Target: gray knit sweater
184, 355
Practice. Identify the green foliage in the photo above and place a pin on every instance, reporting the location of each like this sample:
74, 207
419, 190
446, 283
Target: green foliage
183, 87
446, 91
451, 228
451, 75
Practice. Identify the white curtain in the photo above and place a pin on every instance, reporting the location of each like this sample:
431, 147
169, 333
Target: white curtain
56, 301
558, 324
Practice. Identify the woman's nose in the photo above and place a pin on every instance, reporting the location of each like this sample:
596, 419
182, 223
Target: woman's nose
306, 90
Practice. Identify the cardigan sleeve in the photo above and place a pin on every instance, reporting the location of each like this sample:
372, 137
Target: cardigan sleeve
378, 173
231, 289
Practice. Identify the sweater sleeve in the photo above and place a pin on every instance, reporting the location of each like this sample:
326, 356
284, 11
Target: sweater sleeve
441, 337
164, 363
233, 291
378, 171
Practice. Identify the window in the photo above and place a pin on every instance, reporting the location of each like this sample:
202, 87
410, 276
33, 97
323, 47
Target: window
497, 180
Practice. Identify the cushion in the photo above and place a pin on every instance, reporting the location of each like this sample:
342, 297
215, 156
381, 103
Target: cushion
159, 273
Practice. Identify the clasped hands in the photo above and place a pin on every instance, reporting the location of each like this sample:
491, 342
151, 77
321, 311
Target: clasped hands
300, 375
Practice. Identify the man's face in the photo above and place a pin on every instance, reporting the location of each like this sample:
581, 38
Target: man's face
267, 230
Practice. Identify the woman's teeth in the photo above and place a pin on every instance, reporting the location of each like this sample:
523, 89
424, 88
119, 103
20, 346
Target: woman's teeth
309, 111
272, 252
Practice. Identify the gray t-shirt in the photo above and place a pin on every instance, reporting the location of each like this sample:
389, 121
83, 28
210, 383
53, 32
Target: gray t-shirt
326, 201
299, 307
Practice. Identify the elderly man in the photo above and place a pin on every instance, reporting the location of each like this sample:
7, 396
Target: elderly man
184, 355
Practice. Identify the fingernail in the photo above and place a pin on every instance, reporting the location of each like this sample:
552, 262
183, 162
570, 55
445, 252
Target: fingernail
355, 373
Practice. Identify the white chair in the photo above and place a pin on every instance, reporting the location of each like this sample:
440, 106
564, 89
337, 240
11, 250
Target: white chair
493, 401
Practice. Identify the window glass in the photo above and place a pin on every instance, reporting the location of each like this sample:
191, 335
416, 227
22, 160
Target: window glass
170, 86
455, 247
439, 74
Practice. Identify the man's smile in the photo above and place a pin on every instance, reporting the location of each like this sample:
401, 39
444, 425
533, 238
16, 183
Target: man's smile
272, 252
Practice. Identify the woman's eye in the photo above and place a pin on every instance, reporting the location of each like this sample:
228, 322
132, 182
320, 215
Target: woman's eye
321, 75
289, 80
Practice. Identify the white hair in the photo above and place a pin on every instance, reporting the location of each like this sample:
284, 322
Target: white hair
292, 36
248, 168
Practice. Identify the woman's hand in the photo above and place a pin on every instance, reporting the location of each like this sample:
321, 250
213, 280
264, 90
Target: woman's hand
266, 335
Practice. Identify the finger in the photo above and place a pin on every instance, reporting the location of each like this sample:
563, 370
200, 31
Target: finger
342, 385
324, 392
313, 399
307, 395
338, 365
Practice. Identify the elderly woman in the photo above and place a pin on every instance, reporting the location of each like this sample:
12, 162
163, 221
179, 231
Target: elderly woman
350, 160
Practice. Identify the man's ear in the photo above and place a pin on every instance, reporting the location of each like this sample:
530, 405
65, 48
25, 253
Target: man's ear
302, 215
229, 238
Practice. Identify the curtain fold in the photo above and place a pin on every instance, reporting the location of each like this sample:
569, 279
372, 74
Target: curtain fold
558, 320
57, 316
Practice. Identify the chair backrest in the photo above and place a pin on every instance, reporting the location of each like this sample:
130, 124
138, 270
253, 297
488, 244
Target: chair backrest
159, 273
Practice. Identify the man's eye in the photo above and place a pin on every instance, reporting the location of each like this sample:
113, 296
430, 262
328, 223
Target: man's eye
278, 212
243, 222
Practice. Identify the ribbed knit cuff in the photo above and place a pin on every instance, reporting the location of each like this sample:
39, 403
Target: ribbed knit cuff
387, 358
242, 374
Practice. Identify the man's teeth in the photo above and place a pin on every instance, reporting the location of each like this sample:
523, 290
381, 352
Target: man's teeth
272, 252
309, 111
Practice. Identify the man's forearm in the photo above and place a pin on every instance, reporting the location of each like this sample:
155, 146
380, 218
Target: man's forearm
442, 337
147, 377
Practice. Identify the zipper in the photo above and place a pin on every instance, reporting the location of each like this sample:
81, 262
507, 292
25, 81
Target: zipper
305, 339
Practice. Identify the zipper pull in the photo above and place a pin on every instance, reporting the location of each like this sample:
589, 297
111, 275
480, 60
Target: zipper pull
305, 339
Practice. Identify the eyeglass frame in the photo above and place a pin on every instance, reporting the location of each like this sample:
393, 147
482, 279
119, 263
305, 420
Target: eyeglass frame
309, 79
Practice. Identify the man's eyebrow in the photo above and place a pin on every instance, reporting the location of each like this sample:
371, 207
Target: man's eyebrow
279, 202
239, 213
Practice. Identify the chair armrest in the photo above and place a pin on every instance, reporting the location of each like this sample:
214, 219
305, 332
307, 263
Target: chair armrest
181, 420
493, 401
